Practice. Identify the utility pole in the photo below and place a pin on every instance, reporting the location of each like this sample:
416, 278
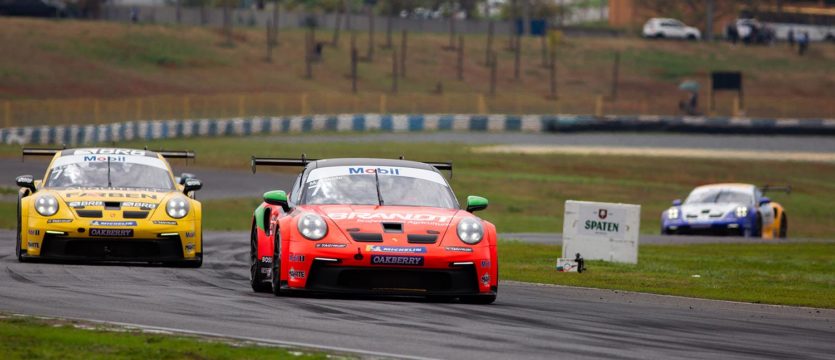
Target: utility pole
460, 57
394, 71
615, 75
526, 17
276, 14
370, 55
709, 30
403, 47
493, 64
489, 52
517, 57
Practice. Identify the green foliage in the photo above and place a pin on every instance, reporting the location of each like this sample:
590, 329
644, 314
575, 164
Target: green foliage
146, 50
789, 274
26, 338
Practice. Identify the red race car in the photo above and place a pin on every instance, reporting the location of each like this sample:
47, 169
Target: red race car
372, 226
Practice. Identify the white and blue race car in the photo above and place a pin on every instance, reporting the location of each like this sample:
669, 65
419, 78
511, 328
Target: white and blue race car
727, 209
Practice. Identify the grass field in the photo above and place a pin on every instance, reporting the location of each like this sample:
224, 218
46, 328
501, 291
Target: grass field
527, 192
800, 274
30, 338
163, 72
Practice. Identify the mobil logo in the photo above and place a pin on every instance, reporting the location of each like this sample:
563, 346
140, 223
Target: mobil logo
98, 158
379, 171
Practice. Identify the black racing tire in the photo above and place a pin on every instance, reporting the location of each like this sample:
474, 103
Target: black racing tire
478, 299
276, 272
784, 226
759, 223
193, 264
691, 37
18, 249
257, 278
659, 35
757, 231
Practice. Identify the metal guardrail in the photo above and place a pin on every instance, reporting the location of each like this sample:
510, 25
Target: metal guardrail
160, 129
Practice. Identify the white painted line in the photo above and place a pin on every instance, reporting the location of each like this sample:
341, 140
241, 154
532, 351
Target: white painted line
687, 153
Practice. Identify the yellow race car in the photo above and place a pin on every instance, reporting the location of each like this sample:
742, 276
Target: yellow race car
109, 205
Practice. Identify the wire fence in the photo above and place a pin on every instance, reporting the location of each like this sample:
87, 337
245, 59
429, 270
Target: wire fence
169, 107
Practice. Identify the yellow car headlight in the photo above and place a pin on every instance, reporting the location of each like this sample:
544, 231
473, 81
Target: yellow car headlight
46, 205
177, 207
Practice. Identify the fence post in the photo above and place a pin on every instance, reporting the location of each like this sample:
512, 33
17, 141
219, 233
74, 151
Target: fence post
354, 70
403, 44
382, 103
394, 70
96, 111
482, 105
138, 109
460, 63
488, 53
517, 58
493, 63
598, 106
7, 113
615, 71
241, 110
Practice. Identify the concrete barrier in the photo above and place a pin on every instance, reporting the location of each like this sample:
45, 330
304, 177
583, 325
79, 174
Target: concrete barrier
73, 135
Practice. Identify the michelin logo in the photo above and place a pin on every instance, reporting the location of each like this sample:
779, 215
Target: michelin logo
396, 249
113, 223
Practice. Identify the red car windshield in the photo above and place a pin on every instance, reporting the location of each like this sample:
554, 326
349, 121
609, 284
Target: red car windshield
363, 185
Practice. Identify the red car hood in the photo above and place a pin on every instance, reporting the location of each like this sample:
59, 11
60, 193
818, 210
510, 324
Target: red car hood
370, 218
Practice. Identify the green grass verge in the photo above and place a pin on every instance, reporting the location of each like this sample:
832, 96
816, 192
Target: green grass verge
29, 338
228, 214
789, 274
527, 192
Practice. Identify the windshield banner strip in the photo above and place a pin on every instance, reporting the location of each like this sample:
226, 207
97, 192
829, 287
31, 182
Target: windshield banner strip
335, 171
130, 159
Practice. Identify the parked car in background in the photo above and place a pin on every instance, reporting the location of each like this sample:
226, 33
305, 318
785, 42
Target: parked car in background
752, 31
660, 28
33, 8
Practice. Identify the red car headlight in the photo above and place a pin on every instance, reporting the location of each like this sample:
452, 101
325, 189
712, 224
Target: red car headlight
470, 231
312, 226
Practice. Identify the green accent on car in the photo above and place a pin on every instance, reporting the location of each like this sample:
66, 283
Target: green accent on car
259, 216
476, 203
275, 197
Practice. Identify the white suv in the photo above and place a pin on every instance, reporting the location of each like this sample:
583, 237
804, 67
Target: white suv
670, 28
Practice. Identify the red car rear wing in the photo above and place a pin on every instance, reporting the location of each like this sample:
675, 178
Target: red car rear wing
784, 188
303, 161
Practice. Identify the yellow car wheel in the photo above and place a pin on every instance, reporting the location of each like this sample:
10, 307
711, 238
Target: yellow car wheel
784, 226
18, 248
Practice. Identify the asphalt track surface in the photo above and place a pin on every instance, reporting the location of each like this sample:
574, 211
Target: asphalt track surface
527, 321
